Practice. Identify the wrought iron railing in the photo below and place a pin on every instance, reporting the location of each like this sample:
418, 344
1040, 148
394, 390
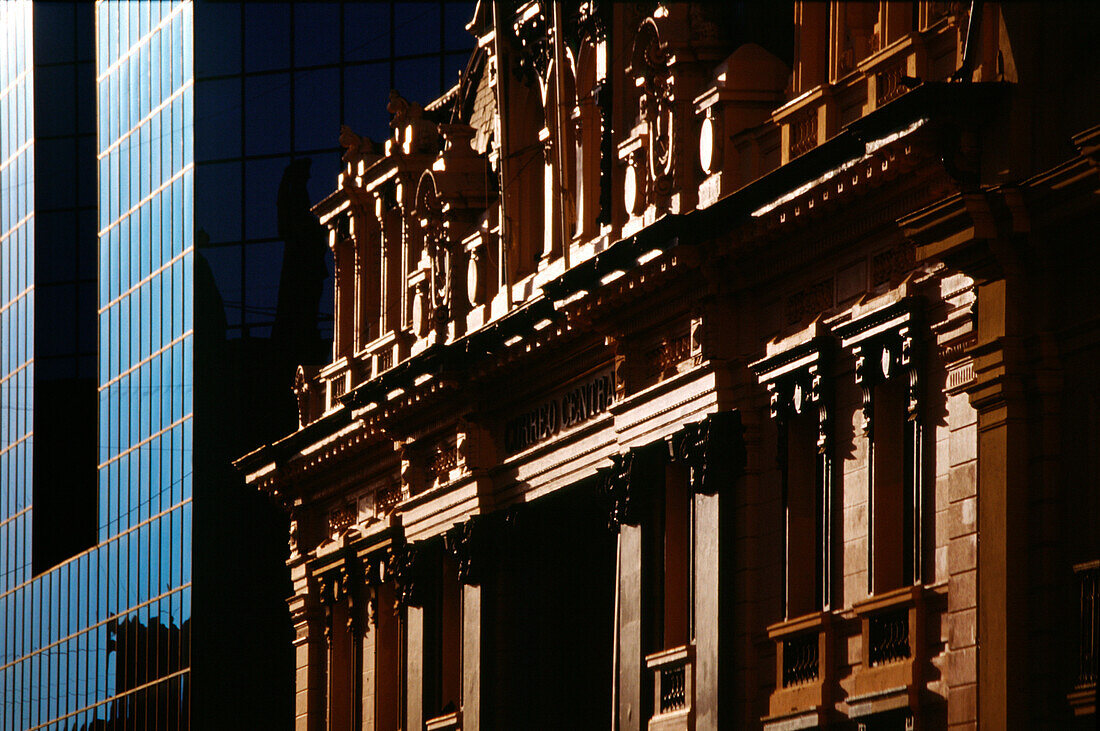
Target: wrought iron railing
889, 83
1088, 578
671, 679
804, 132
672, 689
888, 636
339, 385
801, 663
385, 360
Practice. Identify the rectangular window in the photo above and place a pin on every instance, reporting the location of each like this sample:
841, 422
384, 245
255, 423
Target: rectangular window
888, 504
803, 568
387, 661
341, 677
442, 637
677, 556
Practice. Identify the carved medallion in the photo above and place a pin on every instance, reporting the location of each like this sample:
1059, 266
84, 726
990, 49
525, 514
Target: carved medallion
709, 144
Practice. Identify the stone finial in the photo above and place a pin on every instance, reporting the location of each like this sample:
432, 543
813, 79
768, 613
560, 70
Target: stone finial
399, 108
457, 139
355, 147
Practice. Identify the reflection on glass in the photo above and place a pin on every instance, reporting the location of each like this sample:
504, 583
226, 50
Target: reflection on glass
110, 633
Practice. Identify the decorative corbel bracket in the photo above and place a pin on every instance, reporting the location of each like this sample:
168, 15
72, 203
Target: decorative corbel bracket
885, 347
614, 484
340, 582
466, 543
405, 566
714, 450
797, 380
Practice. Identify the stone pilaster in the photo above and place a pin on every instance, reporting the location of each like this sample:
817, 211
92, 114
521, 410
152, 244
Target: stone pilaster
467, 544
414, 668
310, 651
714, 450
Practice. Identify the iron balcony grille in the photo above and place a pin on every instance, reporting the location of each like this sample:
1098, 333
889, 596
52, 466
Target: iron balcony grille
888, 635
800, 660
385, 360
339, 386
672, 680
673, 696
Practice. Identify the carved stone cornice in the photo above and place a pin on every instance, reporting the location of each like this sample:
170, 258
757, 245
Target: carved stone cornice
960, 230
343, 582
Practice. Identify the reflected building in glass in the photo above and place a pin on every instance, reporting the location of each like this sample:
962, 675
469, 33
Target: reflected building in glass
160, 276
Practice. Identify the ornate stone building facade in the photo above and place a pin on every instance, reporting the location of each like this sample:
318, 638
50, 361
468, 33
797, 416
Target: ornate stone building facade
704, 368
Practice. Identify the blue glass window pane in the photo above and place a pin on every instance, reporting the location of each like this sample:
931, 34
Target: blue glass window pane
188, 293
408, 18
123, 558
186, 22
146, 330
366, 30
142, 567
267, 114
178, 212
155, 335
188, 193
103, 574
165, 41
266, 35
146, 420
177, 381
177, 45
185, 540
165, 528
218, 24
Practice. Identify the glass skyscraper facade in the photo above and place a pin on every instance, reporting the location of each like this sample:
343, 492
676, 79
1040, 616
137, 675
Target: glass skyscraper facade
151, 185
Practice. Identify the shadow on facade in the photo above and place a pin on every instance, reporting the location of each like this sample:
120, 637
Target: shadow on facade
242, 658
549, 604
